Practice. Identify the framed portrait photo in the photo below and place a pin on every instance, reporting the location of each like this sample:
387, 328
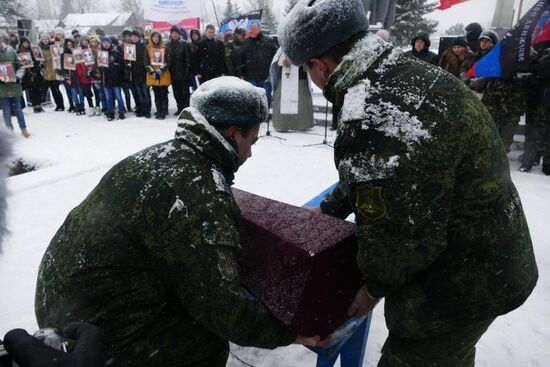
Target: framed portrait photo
26, 59
157, 56
37, 52
88, 56
7, 73
78, 57
103, 59
69, 62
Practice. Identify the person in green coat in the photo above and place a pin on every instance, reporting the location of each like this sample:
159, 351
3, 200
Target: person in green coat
11, 75
441, 231
150, 255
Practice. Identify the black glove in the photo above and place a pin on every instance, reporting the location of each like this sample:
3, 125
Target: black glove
31, 352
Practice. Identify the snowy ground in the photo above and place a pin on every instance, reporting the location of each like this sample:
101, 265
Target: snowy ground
74, 152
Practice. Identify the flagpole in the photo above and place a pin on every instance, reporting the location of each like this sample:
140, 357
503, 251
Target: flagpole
216, 14
519, 10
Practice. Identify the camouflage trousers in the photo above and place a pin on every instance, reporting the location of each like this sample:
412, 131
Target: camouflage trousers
454, 349
507, 124
537, 134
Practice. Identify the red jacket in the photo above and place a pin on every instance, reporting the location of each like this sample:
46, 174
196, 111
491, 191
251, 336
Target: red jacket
83, 75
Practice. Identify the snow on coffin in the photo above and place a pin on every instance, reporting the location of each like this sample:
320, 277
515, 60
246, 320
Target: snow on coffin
301, 265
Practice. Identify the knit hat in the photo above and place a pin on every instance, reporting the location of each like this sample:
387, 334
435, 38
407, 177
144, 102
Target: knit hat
106, 39
127, 32
135, 32
473, 31
176, 29
59, 30
460, 41
44, 36
315, 26
240, 31
230, 101
489, 35
3, 35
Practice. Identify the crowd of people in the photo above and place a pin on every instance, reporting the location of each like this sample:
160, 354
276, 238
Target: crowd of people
116, 73
507, 99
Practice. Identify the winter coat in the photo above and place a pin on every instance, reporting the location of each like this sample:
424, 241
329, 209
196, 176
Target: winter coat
83, 74
33, 76
113, 76
48, 70
256, 56
211, 59
180, 60
194, 48
425, 55
161, 226
233, 57
453, 63
137, 68
441, 229
165, 78
9, 56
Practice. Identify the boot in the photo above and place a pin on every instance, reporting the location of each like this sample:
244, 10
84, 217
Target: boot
546, 166
91, 112
121, 116
57, 109
110, 116
38, 109
525, 167
25, 133
71, 109
98, 111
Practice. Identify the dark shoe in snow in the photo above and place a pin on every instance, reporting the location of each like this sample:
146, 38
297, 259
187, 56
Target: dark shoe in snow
71, 109
121, 116
147, 115
59, 109
525, 167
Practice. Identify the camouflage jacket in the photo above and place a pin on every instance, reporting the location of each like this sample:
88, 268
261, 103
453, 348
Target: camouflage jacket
149, 256
441, 230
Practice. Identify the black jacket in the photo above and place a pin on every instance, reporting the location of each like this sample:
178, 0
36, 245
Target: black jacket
137, 68
180, 60
211, 59
113, 76
256, 56
425, 55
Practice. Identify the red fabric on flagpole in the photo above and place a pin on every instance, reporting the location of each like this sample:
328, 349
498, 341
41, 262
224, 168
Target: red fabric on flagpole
446, 4
190, 23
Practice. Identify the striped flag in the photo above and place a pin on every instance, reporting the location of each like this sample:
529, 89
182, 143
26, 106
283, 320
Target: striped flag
446, 4
512, 53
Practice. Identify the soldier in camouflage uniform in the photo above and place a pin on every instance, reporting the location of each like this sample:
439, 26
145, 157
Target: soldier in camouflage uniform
504, 98
233, 54
441, 231
149, 255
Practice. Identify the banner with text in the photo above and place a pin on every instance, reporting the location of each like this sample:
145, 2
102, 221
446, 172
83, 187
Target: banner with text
172, 11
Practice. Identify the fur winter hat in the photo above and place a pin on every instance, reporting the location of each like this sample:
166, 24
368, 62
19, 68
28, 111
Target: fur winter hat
315, 26
489, 35
4, 153
59, 30
230, 101
3, 36
424, 36
44, 36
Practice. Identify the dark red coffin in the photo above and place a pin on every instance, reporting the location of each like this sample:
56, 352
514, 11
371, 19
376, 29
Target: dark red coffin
301, 265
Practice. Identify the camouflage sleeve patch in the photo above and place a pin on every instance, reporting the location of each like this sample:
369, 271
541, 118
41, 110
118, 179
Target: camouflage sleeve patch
370, 202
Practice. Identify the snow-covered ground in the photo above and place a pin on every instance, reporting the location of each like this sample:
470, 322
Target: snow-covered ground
73, 153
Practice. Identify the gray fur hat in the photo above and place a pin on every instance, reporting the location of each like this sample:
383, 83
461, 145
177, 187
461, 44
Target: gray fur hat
3, 35
230, 101
315, 26
4, 153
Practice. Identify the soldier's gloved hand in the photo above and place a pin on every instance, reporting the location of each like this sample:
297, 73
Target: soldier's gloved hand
31, 352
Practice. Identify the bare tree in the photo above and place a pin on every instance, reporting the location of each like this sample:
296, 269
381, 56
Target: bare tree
132, 6
11, 10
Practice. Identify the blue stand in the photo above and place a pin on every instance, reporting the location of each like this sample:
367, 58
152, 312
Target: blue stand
351, 351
